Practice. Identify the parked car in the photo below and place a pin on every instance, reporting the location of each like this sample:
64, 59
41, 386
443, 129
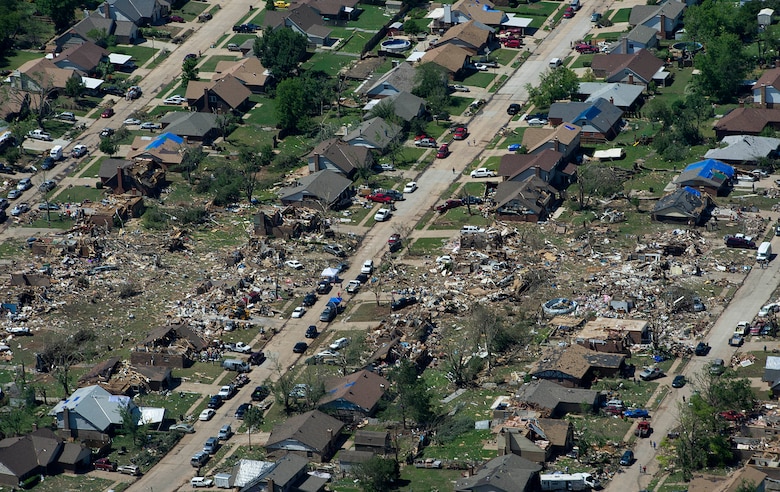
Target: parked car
513, 109
260, 393
190, 56
732, 415
697, 305
701, 349
48, 206
481, 67
79, 151
394, 238
215, 402
568, 13
512, 43
19, 209
226, 392
380, 198
367, 267
739, 241
323, 287
353, 286
402, 303
186, 428
329, 313
339, 344
241, 410
148, 125
14, 194
309, 299
627, 459
443, 152
104, 464
460, 88
736, 340
382, 214
176, 18
294, 264
636, 413
207, 414
47, 186
678, 381
717, 367
298, 312
595, 17
335, 250
107, 113
225, 432
24, 184
482, 172
311, 332
106, 132
460, 133
650, 373
48, 163
300, 347
129, 470
410, 187
199, 459
448, 204
537, 122
175, 99
387, 167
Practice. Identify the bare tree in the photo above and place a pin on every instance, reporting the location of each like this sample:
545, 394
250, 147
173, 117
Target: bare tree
283, 385
31, 91
488, 325
458, 348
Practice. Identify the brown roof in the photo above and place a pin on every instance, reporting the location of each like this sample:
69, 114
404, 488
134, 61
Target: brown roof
748, 475
231, 90
748, 120
345, 156
643, 63
45, 69
469, 33
103, 369
314, 429
575, 360
86, 55
154, 373
475, 10
556, 430
706, 484
195, 89
770, 78
514, 164
363, 388
370, 438
532, 193
329, 8
249, 70
534, 137
449, 56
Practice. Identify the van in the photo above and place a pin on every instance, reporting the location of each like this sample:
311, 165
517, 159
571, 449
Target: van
575, 4
555, 63
56, 152
236, 365
211, 445
764, 252
233, 47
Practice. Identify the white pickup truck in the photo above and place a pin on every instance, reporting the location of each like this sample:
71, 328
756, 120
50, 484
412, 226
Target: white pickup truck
483, 172
201, 482
39, 135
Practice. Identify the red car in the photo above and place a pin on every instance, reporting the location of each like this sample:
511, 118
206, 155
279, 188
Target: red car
512, 43
107, 113
452, 203
568, 13
732, 415
104, 464
395, 238
176, 18
586, 48
460, 133
380, 198
443, 152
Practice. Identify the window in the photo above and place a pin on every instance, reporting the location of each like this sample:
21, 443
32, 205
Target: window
212, 99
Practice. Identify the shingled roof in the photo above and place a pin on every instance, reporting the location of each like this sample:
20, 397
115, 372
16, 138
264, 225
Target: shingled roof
313, 429
576, 361
505, 473
363, 389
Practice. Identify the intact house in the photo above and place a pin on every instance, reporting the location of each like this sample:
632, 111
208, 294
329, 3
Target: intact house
249, 71
140, 178
354, 397
747, 121
625, 97
746, 150
555, 401
40, 453
598, 120
304, 20
400, 78
125, 32
313, 435
510, 473
683, 205
91, 413
535, 439
374, 442
193, 126
766, 90
638, 68
527, 200
320, 190
334, 11
453, 59
664, 18
41, 75
614, 335
375, 133
481, 11
337, 156
576, 366
639, 38
139, 12
772, 374
83, 57
472, 36
708, 176
224, 95
562, 138
545, 165
404, 104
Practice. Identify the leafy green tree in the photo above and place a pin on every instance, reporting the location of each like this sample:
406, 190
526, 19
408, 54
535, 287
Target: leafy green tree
130, 425
189, 69
413, 26
320, 89
413, 397
554, 84
385, 110
61, 12
253, 419
377, 474
191, 159
431, 82
712, 18
74, 87
596, 179
104, 69
108, 147
281, 51
269, 5
102, 38
723, 67
14, 21
291, 106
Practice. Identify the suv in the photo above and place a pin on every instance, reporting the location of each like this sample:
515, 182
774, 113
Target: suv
513, 109
211, 445
627, 459
323, 287
740, 241
260, 393
701, 349
483, 172
311, 332
129, 470
335, 250
309, 299
199, 459
718, 367
329, 313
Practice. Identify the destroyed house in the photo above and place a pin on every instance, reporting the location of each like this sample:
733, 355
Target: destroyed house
614, 335
168, 346
556, 400
143, 178
576, 366
684, 205
376, 442
536, 440
529, 200
101, 372
353, 397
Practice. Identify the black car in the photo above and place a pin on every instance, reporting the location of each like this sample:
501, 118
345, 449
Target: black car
323, 287
309, 299
190, 56
678, 381
513, 109
48, 163
300, 347
698, 306
260, 393
241, 410
256, 358
6, 169
402, 303
215, 402
4, 203
702, 349
311, 332
472, 200
106, 132
362, 278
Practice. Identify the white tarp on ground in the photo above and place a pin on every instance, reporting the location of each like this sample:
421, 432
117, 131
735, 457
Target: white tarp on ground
513, 21
151, 415
615, 153
119, 59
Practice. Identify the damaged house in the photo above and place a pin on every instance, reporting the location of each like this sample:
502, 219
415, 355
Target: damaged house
141, 178
92, 413
168, 346
614, 335
708, 176
555, 400
684, 205
313, 435
354, 397
529, 200
537, 440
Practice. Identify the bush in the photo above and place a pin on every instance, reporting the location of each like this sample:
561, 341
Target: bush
192, 215
153, 218
128, 289
453, 427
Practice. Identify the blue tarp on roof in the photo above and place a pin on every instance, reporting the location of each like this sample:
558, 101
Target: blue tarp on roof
690, 190
162, 138
711, 166
488, 9
589, 114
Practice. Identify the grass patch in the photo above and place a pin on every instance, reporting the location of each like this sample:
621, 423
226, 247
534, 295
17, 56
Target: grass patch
190, 10
240, 38
77, 194
581, 60
161, 110
456, 217
264, 111
539, 9
424, 220
210, 64
458, 105
161, 56
479, 79
259, 18
369, 311
18, 59
499, 83
503, 56
357, 40
372, 17
140, 54
427, 245
467, 446
82, 483
53, 221
329, 63
621, 15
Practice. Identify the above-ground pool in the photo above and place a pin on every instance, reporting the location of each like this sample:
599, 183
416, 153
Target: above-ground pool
687, 46
396, 45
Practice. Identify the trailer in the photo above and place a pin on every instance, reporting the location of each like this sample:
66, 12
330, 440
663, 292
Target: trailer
223, 480
573, 481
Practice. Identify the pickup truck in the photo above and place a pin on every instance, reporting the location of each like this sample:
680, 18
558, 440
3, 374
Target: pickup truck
201, 482
39, 135
483, 173
104, 464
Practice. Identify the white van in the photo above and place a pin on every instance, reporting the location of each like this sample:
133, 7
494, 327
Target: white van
555, 63
56, 152
471, 229
764, 252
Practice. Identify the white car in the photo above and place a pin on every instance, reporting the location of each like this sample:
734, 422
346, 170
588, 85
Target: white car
327, 353
295, 264
410, 187
177, 99
148, 125
207, 414
460, 88
769, 308
537, 122
387, 167
368, 267
242, 348
299, 312
226, 392
481, 67
79, 151
353, 286
340, 343
483, 172
132, 121
382, 214
201, 482
444, 260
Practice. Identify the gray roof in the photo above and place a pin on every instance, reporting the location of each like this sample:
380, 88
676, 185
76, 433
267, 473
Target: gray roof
125, 28
134, 10
642, 34
408, 106
109, 166
510, 473
642, 13
347, 456
325, 185
400, 78
377, 132
682, 202
287, 468
547, 394
596, 116
95, 20
189, 123
744, 148
314, 429
246, 471
621, 95
95, 405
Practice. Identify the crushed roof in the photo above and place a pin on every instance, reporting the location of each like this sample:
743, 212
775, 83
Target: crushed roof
744, 148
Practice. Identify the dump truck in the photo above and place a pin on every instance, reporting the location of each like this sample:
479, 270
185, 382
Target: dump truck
643, 429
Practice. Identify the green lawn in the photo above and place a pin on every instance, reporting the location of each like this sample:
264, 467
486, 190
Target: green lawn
621, 16
372, 17
250, 136
264, 111
454, 218
480, 79
357, 40
427, 245
459, 104
18, 59
140, 54
580, 61
191, 9
539, 9
503, 56
240, 38
93, 166
329, 63
211, 62
162, 109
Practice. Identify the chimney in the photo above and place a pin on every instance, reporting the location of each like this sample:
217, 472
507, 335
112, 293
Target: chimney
764, 102
631, 79
65, 418
624, 45
207, 109
612, 100
663, 26
537, 172
106, 10
316, 162
557, 144
119, 173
